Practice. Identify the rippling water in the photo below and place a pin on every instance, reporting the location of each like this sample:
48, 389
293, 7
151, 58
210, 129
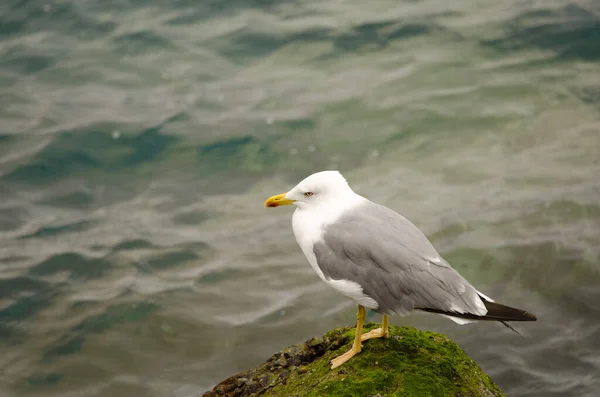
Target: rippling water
139, 139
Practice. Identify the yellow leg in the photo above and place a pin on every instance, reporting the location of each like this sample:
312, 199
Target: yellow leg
378, 332
356, 346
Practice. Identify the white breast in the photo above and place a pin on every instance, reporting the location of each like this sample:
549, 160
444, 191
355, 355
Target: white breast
307, 231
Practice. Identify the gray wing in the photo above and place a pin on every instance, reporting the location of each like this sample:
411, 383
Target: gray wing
394, 263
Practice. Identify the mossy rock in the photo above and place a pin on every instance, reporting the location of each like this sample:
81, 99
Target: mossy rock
408, 363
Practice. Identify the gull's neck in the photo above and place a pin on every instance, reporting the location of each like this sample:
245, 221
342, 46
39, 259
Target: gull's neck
309, 222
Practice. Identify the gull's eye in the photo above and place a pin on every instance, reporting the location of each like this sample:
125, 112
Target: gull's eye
308, 194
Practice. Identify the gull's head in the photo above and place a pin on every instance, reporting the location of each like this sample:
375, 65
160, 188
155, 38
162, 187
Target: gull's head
322, 188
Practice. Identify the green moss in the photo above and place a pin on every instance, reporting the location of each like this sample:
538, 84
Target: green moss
409, 363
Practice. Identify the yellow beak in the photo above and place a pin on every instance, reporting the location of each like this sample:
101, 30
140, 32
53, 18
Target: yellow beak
277, 200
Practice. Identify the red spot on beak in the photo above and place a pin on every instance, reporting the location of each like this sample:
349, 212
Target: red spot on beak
277, 200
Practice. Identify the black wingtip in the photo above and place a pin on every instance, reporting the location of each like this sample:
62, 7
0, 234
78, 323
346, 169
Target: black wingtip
497, 311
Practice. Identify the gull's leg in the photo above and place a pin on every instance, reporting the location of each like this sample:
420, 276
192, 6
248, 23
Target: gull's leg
378, 332
360, 319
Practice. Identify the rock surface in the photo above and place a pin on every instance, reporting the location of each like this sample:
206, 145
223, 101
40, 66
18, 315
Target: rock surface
409, 363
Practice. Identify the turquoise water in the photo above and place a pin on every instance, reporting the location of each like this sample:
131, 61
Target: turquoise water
138, 141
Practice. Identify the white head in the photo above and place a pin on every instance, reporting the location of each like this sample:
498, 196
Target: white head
314, 191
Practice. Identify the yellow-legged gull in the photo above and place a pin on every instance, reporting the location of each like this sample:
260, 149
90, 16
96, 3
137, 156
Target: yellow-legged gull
379, 259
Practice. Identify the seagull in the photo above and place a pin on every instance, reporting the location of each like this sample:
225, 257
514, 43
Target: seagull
379, 259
